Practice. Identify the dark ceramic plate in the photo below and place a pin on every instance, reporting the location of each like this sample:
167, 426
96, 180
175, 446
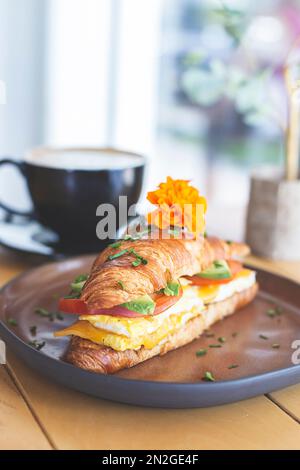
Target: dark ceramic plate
173, 380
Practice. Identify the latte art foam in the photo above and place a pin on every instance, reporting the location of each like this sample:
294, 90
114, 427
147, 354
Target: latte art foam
84, 160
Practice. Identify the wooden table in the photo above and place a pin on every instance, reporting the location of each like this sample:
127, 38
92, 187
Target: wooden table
38, 414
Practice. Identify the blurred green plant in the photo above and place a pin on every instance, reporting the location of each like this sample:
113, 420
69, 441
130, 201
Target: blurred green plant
233, 21
207, 80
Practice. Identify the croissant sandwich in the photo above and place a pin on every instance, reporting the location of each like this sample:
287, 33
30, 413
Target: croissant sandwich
145, 297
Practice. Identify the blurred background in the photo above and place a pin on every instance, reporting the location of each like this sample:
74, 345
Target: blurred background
194, 84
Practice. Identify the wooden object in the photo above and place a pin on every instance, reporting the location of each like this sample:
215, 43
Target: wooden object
273, 220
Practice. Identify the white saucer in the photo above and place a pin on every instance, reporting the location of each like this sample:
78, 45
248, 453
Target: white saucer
27, 236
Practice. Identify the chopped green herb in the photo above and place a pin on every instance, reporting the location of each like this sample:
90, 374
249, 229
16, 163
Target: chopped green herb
121, 285
275, 346
115, 245
229, 242
133, 252
215, 345
136, 262
233, 366
37, 344
127, 237
42, 312
222, 339
263, 337
33, 330
209, 334
160, 291
205, 235
77, 287
81, 278
12, 322
208, 377
271, 312
201, 352
218, 264
73, 295
274, 312
139, 259
118, 255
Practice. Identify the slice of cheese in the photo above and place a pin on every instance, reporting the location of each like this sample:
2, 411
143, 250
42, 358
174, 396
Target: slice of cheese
85, 329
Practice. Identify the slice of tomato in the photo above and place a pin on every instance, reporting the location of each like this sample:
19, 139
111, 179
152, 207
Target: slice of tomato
75, 306
235, 268
79, 307
163, 302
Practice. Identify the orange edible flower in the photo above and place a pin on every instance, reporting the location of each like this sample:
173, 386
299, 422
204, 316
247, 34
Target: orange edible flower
179, 205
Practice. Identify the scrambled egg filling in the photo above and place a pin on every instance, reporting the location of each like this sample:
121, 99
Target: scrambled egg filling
132, 333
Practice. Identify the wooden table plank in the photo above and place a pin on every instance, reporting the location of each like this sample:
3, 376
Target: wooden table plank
18, 428
290, 269
77, 421
12, 264
289, 400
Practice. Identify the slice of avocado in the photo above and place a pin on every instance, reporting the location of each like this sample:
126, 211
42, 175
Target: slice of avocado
143, 305
78, 283
219, 269
77, 286
172, 288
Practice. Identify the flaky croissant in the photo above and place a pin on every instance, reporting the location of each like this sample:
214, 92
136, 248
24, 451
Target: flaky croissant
115, 281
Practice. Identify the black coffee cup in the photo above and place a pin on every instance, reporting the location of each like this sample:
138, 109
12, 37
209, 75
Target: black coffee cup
66, 191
